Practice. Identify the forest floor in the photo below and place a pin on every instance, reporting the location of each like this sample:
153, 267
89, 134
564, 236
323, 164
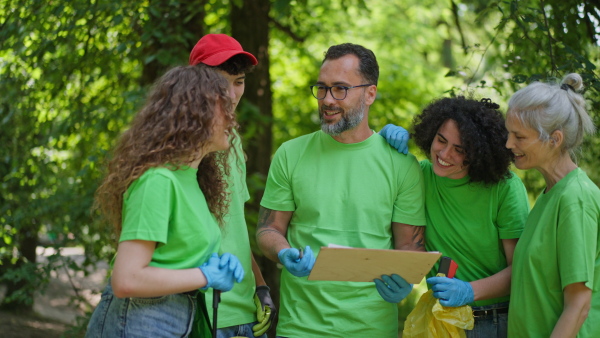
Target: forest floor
55, 314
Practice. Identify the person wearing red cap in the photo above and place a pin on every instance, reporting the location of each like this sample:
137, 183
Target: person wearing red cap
243, 311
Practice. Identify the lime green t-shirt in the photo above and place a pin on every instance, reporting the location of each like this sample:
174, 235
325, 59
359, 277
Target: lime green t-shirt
167, 206
345, 194
237, 305
467, 222
558, 247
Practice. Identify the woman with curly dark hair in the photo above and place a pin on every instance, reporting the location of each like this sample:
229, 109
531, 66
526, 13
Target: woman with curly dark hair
163, 214
475, 206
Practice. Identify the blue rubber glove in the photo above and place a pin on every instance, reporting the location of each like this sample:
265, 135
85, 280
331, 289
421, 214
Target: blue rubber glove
397, 137
299, 267
234, 265
451, 291
393, 289
221, 273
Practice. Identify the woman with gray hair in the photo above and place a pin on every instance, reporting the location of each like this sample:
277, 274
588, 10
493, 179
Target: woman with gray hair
556, 266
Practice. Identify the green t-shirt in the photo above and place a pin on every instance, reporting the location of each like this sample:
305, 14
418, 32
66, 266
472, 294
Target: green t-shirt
237, 305
345, 194
167, 207
467, 222
558, 247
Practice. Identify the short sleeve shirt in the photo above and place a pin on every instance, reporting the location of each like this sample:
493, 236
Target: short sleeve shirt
167, 206
559, 247
345, 194
468, 221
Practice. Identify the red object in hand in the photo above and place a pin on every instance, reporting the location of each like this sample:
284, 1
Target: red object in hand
448, 267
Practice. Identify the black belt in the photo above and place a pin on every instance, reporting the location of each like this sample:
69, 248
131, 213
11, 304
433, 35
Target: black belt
491, 312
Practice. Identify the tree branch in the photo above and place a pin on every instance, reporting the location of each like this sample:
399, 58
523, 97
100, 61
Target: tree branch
75, 288
6, 21
457, 22
549, 37
588, 24
287, 30
515, 16
482, 57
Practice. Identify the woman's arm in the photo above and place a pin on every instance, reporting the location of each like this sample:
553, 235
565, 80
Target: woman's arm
497, 285
133, 277
258, 277
578, 298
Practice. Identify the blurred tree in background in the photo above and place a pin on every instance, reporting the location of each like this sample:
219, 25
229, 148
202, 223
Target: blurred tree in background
73, 73
537, 40
68, 82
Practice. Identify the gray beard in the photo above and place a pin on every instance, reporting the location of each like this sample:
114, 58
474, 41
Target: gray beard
351, 118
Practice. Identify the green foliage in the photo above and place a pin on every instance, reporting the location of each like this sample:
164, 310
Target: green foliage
72, 73
65, 100
543, 41
28, 275
34, 278
405, 37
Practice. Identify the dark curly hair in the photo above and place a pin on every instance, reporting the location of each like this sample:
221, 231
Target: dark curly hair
482, 134
173, 127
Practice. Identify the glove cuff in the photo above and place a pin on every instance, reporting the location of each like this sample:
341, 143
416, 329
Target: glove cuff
280, 254
263, 288
471, 293
207, 280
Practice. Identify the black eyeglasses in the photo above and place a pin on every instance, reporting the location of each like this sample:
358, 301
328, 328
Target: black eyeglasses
337, 92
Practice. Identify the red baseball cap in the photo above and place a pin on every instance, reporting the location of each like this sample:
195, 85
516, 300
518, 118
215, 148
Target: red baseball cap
214, 49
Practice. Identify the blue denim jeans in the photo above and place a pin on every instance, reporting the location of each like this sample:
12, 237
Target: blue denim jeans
492, 325
244, 330
165, 316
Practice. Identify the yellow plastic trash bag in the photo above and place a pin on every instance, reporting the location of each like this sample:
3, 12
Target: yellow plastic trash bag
430, 319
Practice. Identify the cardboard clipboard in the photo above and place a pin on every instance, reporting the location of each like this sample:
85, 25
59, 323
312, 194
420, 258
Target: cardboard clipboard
364, 265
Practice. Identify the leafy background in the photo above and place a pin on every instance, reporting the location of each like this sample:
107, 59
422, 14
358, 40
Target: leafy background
73, 73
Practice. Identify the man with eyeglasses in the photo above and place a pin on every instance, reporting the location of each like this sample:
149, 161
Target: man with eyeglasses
341, 185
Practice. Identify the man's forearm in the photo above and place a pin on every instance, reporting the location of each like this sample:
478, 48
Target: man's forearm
270, 232
270, 241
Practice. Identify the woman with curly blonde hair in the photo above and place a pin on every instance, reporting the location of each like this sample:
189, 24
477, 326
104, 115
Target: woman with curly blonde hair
165, 192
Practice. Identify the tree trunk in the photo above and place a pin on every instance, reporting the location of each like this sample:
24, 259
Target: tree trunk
27, 244
250, 26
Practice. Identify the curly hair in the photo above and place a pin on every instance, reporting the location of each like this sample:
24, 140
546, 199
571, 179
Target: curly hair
172, 128
482, 134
